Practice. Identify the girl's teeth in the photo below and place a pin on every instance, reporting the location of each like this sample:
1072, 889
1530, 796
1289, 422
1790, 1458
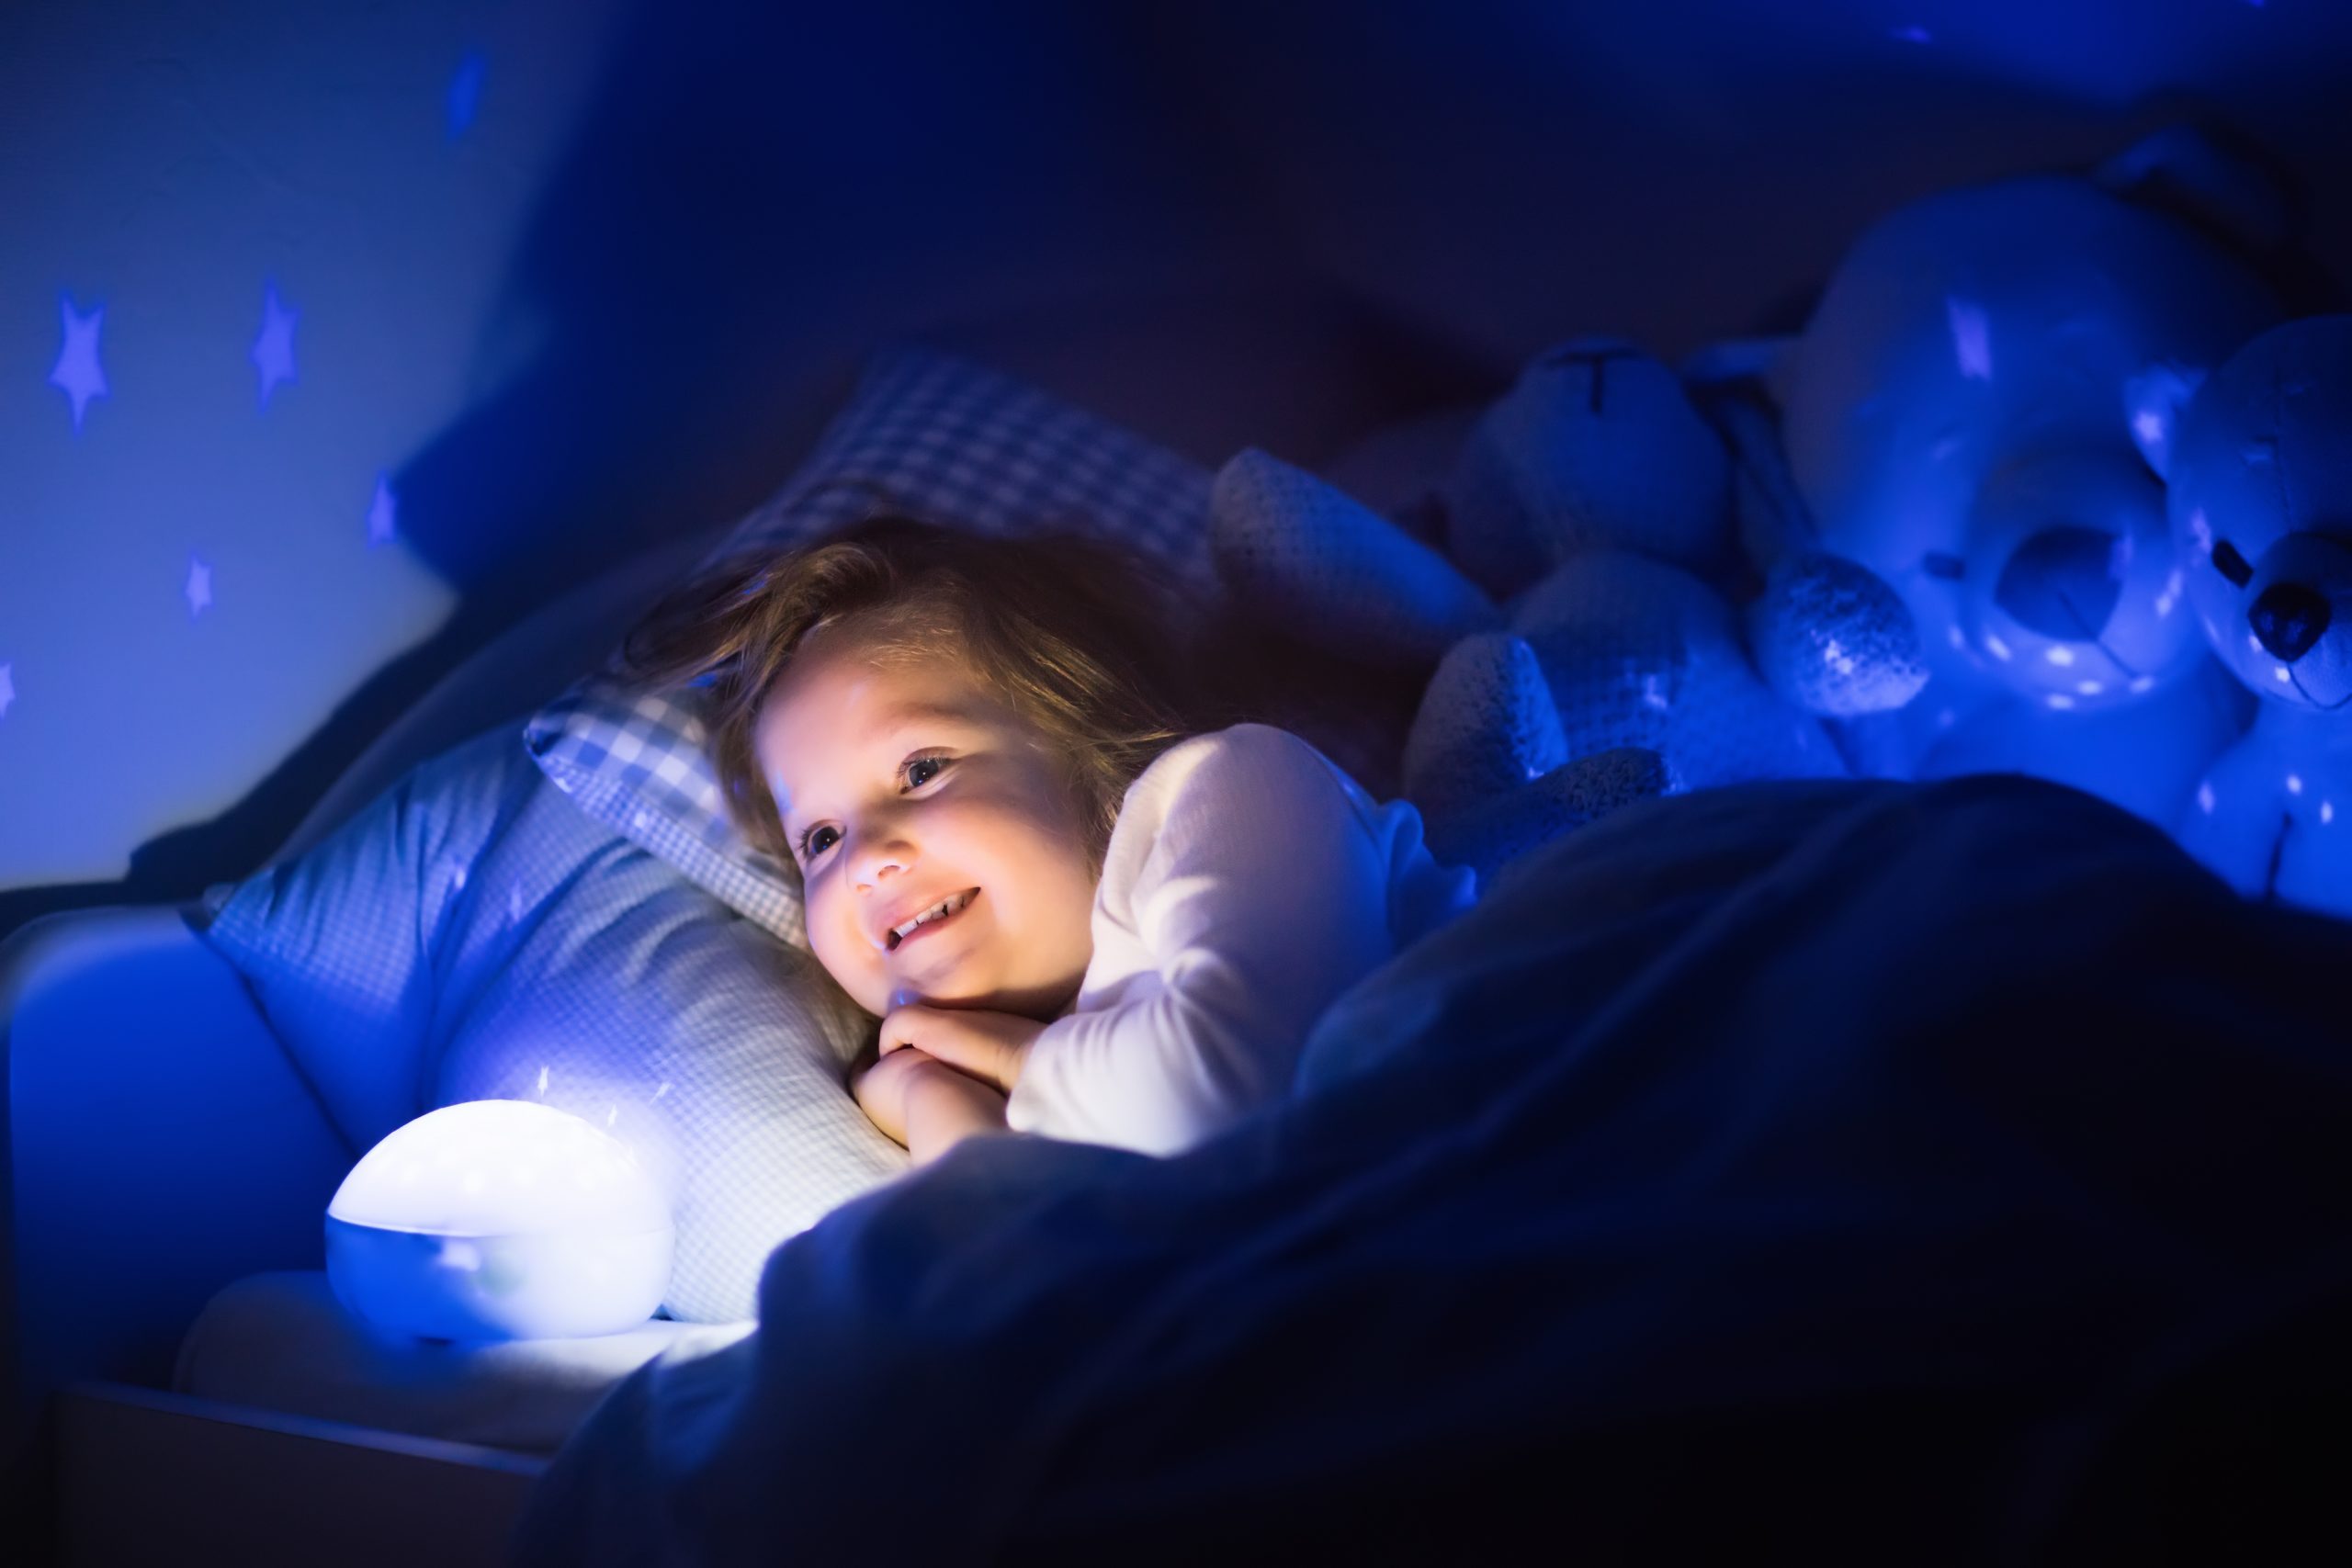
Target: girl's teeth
938, 911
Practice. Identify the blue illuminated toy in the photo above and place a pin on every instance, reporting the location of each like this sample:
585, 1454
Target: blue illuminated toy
1581, 654
500, 1219
1979, 415
2261, 507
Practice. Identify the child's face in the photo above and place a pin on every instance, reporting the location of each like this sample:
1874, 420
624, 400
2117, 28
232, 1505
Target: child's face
901, 788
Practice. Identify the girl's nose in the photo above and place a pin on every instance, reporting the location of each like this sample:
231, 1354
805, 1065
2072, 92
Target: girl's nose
881, 854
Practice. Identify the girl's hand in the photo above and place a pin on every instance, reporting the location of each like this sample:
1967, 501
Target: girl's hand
926, 1105
991, 1046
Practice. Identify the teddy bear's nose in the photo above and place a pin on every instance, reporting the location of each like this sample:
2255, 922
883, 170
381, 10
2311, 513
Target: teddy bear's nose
2288, 619
2061, 582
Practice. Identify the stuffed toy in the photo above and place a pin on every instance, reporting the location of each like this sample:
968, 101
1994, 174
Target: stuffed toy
2260, 500
1961, 517
1557, 585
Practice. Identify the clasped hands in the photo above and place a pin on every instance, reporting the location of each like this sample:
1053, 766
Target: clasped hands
943, 1075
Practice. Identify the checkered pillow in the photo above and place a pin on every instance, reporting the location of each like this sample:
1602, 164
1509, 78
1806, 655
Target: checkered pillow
925, 435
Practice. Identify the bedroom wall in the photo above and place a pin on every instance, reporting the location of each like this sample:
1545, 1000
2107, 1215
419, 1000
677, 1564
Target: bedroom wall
1504, 173
332, 339
558, 278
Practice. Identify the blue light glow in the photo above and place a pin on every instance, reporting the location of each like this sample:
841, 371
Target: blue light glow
7, 688
77, 373
198, 590
464, 99
273, 350
1971, 339
383, 514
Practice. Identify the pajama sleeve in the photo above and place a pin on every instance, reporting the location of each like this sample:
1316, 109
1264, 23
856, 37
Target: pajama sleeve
1262, 895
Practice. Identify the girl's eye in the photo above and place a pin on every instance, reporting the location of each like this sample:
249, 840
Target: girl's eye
815, 841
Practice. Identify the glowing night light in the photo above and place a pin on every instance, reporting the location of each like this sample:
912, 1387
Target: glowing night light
500, 1219
77, 373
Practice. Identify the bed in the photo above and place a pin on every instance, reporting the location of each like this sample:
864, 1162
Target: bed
1886, 1172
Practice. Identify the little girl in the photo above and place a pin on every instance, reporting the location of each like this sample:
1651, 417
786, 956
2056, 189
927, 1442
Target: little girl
1071, 918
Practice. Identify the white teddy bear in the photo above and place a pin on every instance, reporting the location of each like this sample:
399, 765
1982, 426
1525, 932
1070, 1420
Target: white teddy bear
1581, 656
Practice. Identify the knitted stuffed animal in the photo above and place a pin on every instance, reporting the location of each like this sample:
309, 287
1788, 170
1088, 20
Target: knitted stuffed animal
1976, 418
1579, 657
2261, 509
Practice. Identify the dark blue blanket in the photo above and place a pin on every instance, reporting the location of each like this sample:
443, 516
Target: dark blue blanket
1892, 1173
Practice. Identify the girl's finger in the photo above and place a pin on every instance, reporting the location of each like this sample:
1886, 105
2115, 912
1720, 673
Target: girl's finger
898, 1025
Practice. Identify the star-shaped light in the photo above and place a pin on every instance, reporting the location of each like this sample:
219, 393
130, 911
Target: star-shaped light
199, 590
7, 688
77, 373
383, 514
273, 351
1971, 339
465, 94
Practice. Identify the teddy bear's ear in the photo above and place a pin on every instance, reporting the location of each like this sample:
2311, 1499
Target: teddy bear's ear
2153, 401
2184, 170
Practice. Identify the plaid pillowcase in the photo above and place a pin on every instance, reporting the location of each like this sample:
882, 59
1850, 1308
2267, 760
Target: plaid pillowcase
925, 435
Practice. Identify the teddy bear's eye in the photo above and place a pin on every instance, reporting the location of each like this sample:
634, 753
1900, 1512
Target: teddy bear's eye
1938, 563
2231, 565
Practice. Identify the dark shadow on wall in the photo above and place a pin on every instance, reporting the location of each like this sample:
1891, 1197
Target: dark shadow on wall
755, 199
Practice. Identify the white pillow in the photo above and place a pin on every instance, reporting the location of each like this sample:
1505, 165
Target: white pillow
472, 935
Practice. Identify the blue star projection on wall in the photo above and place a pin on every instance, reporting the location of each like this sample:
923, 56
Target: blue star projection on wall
465, 94
77, 373
199, 590
273, 351
383, 514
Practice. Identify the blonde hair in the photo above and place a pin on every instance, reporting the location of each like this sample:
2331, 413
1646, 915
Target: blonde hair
1079, 641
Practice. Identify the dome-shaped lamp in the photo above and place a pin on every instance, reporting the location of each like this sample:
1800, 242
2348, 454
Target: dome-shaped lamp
500, 1219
